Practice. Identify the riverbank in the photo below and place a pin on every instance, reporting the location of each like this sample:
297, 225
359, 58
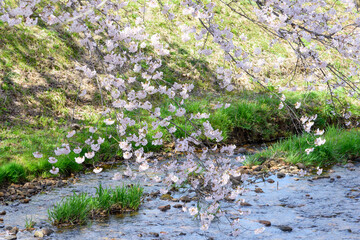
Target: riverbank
288, 207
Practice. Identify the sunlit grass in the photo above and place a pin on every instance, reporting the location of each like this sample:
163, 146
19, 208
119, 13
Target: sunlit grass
340, 146
78, 208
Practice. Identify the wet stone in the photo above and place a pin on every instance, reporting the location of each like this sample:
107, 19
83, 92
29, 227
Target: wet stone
259, 190
270, 180
164, 208
280, 175
155, 194
166, 197
265, 222
242, 150
178, 206
185, 199
257, 168
300, 165
47, 231
284, 228
245, 204
3, 212
26, 200
39, 234
154, 234
13, 231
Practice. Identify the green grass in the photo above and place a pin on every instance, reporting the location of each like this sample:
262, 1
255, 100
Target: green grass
72, 210
29, 223
340, 146
78, 208
252, 117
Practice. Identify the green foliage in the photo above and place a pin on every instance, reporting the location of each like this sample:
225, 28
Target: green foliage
340, 146
123, 197
102, 200
12, 172
29, 223
78, 208
72, 210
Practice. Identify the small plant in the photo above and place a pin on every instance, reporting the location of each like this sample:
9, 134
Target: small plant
29, 223
78, 208
71, 210
127, 198
102, 200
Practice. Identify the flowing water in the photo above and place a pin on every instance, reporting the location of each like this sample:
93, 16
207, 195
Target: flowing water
319, 209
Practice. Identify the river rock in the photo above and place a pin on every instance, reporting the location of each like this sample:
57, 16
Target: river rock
349, 165
265, 222
155, 194
3, 212
178, 206
26, 200
257, 168
242, 150
270, 180
39, 234
2, 194
13, 231
259, 190
300, 165
280, 175
245, 204
185, 199
154, 234
47, 231
284, 228
29, 185
166, 197
164, 208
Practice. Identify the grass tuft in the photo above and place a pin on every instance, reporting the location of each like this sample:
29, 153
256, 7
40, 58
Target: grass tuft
78, 208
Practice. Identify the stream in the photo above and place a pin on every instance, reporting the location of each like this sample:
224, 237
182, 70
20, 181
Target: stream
326, 208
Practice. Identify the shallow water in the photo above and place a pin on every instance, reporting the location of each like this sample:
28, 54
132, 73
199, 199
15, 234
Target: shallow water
317, 209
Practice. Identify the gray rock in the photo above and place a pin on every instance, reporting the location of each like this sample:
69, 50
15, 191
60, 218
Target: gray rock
242, 150
284, 228
185, 199
164, 208
300, 166
47, 231
280, 175
265, 222
39, 234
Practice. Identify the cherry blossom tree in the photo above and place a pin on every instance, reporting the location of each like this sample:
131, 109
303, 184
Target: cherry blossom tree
127, 63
